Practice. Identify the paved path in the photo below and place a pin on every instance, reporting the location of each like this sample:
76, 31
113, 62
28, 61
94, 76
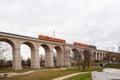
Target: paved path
68, 76
112, 71
104, 76
11, 74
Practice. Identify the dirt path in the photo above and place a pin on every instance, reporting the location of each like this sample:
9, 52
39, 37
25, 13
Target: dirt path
70, 75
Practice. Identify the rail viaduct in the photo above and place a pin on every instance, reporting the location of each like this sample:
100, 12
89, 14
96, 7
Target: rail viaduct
63, 51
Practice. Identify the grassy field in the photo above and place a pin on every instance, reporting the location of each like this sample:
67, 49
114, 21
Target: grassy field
42, 75
47, 74
86, 76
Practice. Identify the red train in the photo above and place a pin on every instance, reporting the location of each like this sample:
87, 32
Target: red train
80, 44
47, 38
84, 45
59, 40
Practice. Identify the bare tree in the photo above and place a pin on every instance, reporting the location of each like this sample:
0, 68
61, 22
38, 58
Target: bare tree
5, 53
42, 59
86, 62
28, 62
77, 58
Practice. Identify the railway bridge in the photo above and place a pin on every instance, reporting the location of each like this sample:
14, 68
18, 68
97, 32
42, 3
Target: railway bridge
63, 51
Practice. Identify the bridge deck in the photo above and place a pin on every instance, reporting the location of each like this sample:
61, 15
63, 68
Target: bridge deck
18, 35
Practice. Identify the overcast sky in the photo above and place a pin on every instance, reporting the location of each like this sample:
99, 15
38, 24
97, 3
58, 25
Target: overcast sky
88, 21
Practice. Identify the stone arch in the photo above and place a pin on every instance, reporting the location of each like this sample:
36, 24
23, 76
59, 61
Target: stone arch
75, 52
30, 45
12, 45
76, 55
59, 57
32, 52
46, 47
48, 55
9, 42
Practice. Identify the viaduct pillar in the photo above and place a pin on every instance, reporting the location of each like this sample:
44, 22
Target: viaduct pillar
49, 61
35, 60
92, 57
96, 56
67, 56
16, 58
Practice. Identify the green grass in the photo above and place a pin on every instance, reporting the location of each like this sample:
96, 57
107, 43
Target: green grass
94, 64
112, 65
93, 69
86, 76
42, 75
11, 70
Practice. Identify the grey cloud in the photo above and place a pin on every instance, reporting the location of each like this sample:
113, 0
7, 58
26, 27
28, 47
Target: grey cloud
74, 20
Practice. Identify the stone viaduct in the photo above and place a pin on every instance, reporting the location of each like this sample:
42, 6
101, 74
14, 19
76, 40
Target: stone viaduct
63, 51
